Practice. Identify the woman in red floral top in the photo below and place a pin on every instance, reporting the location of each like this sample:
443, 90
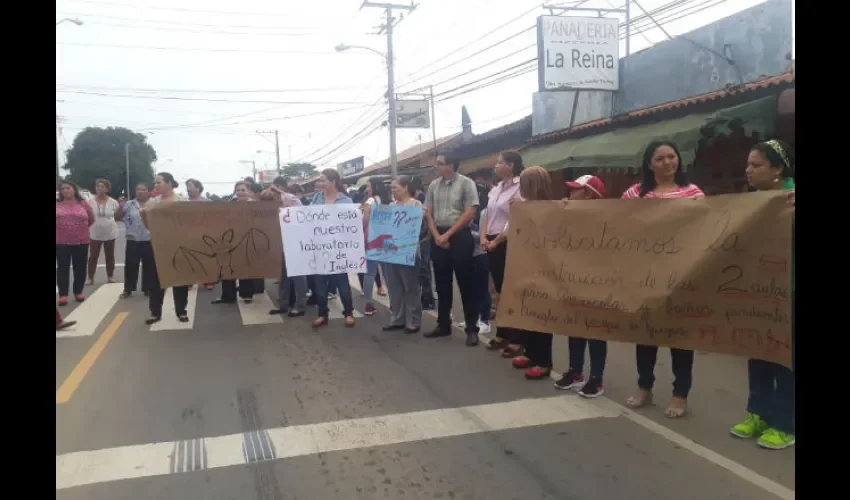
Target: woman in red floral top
73, 218
663, 177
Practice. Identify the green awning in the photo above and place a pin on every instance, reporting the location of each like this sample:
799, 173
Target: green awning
623, 147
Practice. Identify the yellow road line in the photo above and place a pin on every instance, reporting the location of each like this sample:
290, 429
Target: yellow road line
64, 393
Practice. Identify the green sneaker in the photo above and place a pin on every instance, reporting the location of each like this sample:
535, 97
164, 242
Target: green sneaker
751, 427
773, 439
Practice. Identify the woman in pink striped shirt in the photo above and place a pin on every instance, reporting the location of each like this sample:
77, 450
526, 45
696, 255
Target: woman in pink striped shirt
74, 217
663, 177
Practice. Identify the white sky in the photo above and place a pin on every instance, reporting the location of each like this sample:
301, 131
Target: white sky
124, 48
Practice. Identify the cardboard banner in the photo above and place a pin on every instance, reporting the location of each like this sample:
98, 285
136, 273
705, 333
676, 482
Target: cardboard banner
323, 239
207, 242
394, 234
711, 275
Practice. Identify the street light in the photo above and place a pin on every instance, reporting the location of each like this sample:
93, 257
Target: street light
78, 23
69, 20
388, 59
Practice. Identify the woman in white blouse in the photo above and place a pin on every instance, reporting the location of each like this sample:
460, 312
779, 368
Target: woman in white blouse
104, 230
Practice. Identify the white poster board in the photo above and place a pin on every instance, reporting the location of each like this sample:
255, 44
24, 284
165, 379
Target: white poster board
323, 239
578, 53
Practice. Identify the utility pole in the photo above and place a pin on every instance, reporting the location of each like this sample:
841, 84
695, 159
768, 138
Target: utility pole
387, 28
276, 147
127, 166
433, 119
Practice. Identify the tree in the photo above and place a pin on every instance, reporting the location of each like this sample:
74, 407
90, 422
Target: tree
99, 153
300, 170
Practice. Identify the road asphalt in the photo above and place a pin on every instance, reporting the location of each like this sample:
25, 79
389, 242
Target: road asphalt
241, 405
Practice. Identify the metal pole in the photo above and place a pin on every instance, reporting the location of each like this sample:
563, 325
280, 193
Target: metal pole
127, 165
391, 93
277, 152
433, 119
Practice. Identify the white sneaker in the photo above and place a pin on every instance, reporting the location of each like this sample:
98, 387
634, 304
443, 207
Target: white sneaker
483, 328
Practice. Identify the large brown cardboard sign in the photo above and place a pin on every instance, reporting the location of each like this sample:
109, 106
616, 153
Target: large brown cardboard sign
207, 242
711, 274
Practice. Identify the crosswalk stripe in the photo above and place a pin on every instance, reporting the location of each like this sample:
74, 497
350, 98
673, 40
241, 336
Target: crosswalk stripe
257, 312
91, 312
169, 313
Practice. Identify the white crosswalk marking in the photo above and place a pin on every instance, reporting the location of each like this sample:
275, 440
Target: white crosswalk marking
257, 312
90, 313
169, 314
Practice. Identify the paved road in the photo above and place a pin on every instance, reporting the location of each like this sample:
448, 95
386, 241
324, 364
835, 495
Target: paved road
240, 405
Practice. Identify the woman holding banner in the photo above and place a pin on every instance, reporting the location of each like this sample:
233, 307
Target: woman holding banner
770, 406
246, 287
403, 281
376, 194
534, 185
662, 177
329, 191
165, 185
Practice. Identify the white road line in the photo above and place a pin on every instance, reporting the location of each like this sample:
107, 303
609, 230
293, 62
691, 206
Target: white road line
117, 264
257, 312
609, 405
90, 313
169, 313
127, 462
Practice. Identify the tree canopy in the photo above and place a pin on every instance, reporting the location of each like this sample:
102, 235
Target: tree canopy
300, 170
99, 153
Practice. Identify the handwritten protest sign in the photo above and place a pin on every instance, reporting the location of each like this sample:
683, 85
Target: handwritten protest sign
394, 234
712, 274
207, 242
323, 239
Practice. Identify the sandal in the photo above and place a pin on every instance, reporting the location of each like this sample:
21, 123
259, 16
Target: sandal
511, 351
676, 408
349, 321
641, 399
538, 373
320, 322
521, 363
153, 319
496, 344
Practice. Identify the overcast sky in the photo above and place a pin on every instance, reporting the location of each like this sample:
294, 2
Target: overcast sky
201, 77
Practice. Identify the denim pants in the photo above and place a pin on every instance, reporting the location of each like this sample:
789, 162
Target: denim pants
598, 354
338, 282
369, 280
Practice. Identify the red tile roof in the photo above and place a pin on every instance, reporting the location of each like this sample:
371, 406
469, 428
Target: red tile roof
729, 91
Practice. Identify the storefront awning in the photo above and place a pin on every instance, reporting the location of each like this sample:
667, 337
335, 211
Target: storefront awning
623, 148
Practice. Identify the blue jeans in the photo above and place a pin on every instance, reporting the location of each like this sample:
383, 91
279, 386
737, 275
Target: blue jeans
338, 282
481, 271
369, 280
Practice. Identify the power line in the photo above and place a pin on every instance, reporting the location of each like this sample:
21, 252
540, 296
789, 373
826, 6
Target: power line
77, 15
203, 11
181, 98
198, 49
200, 91
211, 32
259, 120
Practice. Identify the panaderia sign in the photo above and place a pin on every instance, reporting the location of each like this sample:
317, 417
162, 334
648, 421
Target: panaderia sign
578, 53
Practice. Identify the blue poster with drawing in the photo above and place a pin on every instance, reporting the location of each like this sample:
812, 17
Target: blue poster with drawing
394, 234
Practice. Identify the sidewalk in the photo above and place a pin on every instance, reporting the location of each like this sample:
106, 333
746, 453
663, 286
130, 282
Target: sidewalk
717, 401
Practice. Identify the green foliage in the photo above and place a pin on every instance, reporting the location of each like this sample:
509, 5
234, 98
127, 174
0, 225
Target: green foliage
300, 170
99, 153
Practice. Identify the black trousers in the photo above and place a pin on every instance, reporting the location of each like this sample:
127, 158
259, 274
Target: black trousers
246, 289
457, 261
157, 293
138, 255
683, 366
497, 259
538, 348
68, 256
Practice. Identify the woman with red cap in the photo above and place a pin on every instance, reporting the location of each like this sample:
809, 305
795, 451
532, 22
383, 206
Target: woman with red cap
586, 187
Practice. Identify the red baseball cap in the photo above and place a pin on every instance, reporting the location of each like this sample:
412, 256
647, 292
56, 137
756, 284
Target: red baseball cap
591, 182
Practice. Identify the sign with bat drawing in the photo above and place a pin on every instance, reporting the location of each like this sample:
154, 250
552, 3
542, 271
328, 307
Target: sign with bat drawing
207, 242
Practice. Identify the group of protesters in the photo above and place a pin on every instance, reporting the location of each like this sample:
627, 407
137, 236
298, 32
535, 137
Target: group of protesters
464, 237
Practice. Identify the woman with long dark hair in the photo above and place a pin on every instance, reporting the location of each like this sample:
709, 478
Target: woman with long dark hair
770, 406
73, 218
376, 194
508, 168
165, 185
329, 191
662, 177
104, 231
